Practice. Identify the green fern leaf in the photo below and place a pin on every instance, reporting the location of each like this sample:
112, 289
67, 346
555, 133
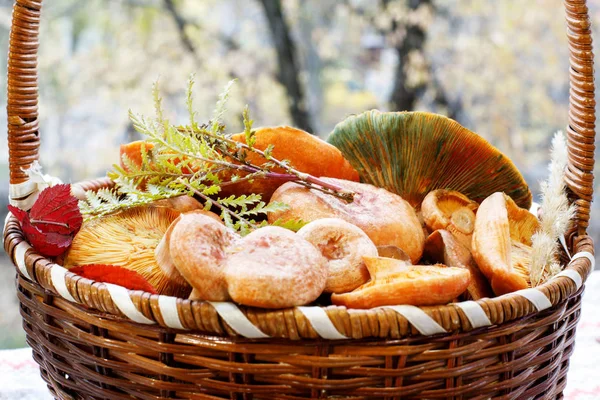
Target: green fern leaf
292, 224
220, 108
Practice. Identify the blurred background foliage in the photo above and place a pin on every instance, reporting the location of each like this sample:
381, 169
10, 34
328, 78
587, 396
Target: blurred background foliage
500, 68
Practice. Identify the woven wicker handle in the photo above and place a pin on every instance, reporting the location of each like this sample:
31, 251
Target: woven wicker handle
23, 134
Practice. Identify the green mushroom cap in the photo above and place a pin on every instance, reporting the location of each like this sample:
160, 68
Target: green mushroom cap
413, 153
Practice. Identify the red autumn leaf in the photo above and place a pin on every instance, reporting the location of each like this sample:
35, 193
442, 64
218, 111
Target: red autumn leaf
52, 221
114, 274
56, 210
49, 244
18, 213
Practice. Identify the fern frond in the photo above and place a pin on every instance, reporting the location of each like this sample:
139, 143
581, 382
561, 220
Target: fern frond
220, 108
245, 228
292, 224
158, 110
84, 207
189, 100
240, 201
93, 199
227, 219
196, 160
211, 190
129, 164
108, 196
144, 156
263, 208
248, 132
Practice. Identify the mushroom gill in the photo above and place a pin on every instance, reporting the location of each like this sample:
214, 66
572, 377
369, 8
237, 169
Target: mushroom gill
128, 239
414, 153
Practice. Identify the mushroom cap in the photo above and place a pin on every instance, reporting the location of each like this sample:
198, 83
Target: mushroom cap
443, 247
343, 245
128, 239
500, 226
163, 251
440, 208
307, 153
199, 245
414, 153
394, 282
182, 204
384, 216
275, 268
390, 251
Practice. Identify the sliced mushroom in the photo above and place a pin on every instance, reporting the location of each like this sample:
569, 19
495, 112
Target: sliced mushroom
395, 282
452, 211
502, 243
443, 247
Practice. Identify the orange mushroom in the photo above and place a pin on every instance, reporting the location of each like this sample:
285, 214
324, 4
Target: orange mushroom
395, 282
452, 211
502, 243
443, 247
343, 245
385, 217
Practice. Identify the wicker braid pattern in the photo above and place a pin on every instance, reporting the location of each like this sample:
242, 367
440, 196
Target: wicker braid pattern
88, 347
581, 130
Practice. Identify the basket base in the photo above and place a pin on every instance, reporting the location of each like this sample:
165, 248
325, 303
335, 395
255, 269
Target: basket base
84, 354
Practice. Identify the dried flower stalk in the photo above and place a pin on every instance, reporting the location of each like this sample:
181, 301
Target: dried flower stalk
556, 215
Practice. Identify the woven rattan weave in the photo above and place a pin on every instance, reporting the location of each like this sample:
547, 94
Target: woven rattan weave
89, 347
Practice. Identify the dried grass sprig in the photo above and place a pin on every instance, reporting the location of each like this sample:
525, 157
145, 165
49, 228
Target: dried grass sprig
556, 215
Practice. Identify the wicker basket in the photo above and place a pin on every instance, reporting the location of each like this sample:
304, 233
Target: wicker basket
98, 341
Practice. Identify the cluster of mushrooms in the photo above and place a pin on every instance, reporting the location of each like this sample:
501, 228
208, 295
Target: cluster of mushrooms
439, 215
377, 250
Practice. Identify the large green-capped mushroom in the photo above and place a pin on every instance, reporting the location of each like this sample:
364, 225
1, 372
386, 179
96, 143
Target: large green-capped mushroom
413, 153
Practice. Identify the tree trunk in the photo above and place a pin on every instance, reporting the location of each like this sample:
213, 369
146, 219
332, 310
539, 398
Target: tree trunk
288, 66
404, 96
180, 22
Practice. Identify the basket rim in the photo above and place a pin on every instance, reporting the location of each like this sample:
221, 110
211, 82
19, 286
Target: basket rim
309, 322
